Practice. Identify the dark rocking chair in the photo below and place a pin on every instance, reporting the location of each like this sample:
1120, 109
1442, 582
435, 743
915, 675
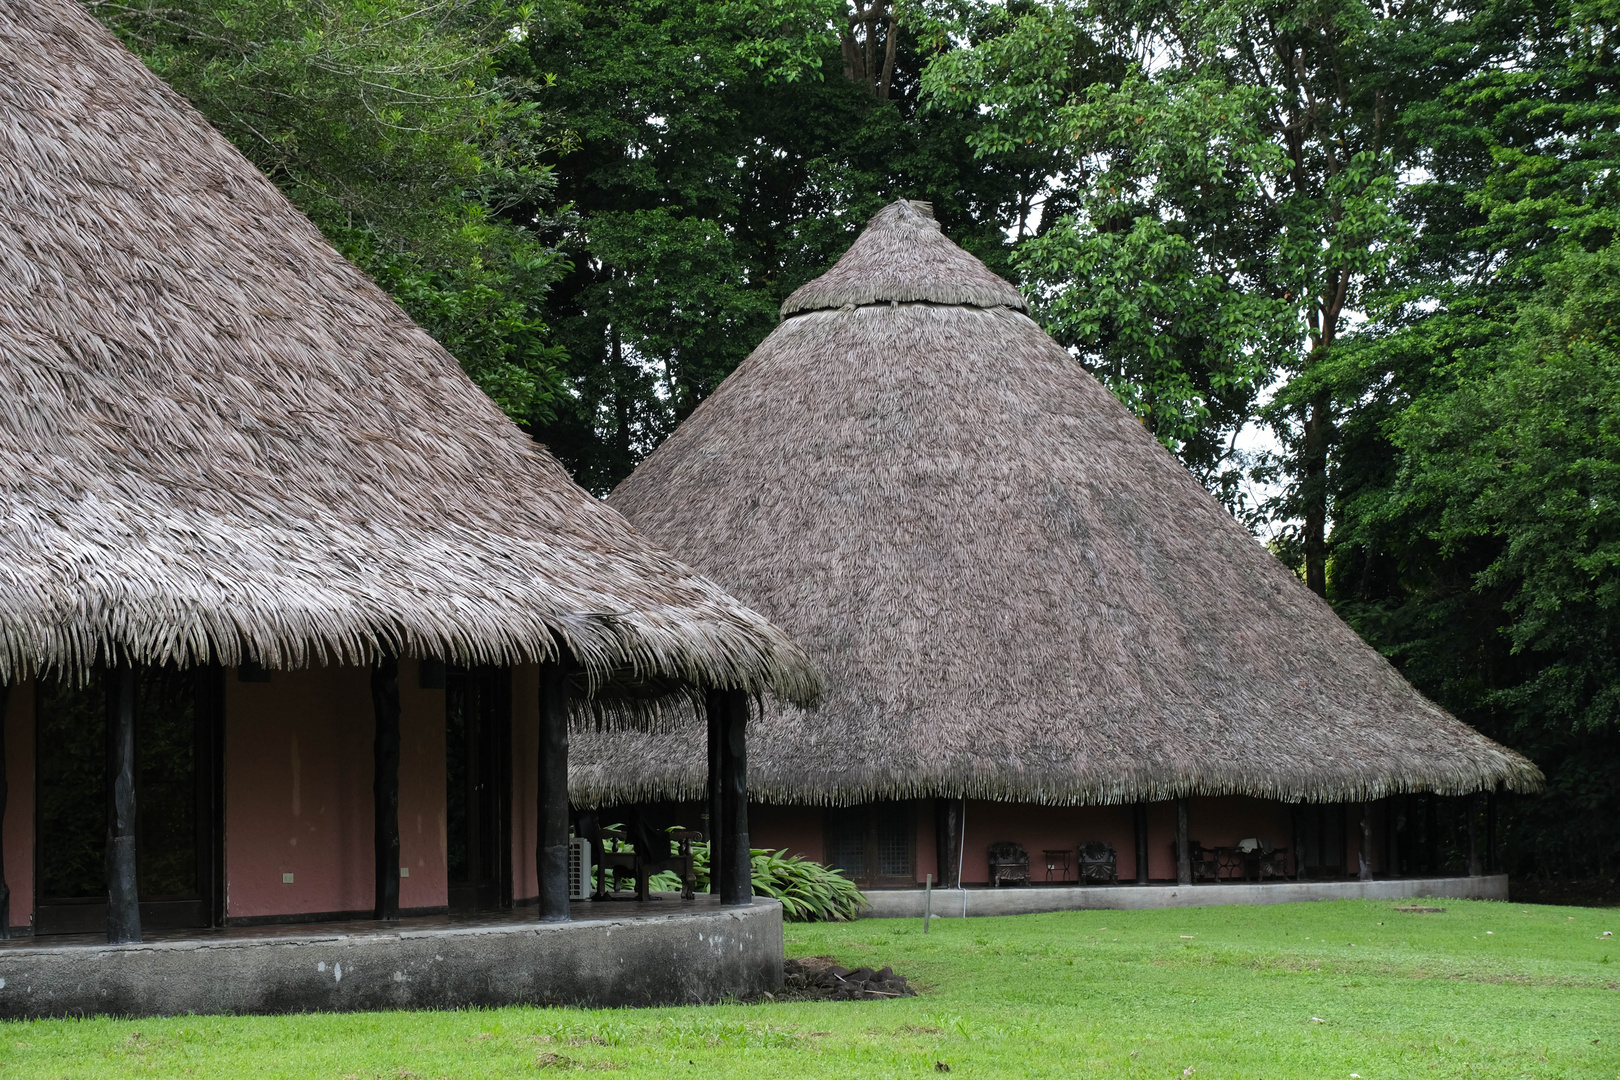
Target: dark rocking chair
633, 865
1099, 865
1008, 862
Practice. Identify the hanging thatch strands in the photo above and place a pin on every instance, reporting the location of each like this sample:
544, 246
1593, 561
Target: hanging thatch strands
1013, 591
219, 440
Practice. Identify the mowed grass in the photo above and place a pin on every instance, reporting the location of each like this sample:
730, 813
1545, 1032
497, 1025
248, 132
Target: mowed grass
1324, 991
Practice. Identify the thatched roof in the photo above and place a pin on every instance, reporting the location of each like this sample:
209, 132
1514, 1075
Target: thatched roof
1012, 590
218, 439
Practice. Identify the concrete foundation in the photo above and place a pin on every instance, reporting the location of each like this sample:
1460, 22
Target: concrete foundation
953, 903
612, 954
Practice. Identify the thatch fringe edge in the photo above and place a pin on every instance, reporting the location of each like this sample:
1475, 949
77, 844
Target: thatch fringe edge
600, 788
607, 646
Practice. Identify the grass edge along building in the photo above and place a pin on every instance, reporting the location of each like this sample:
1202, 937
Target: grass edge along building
292, 618
1035, 624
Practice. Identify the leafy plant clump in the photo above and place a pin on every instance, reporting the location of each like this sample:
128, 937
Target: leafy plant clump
808, 891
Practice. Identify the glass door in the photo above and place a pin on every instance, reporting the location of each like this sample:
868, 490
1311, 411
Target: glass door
478, 786
177, 800
874, 845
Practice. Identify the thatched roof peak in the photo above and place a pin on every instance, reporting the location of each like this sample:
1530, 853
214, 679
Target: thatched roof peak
1012, 589
902, 257
220, 441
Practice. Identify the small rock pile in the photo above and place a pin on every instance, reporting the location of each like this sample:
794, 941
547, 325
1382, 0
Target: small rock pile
822, 978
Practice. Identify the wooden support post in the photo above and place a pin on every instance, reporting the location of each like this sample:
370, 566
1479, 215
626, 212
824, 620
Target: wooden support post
1183, 845
1431, 833
1493, 861
1141, 820
1471, 813
1392, 838
385, 787
715, 709
123, 892
551, 846
1364, 849
1296, 842
947, 839
736, 863
5, 794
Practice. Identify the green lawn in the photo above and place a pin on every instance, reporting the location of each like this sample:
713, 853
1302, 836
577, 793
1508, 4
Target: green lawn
1324, 991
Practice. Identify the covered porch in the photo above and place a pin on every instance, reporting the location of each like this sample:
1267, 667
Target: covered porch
142, 800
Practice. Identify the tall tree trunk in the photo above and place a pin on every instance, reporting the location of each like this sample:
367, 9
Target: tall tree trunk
1314, 493
861, 60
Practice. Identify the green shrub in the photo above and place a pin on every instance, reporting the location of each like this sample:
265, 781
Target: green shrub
809, 891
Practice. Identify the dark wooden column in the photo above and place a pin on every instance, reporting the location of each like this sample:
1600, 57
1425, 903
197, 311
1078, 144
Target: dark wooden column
1431, 834
1493, 860
1183, 845
1393, 846
123, 893
715, 710
1471, 814
5, 794
1140, 816
551, 843
385, 785
1297, 840
1364, 848
736, 878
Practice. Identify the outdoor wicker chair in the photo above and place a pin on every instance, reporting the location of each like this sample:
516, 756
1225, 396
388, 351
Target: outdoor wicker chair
1099, 865
1206, 863
1008, 862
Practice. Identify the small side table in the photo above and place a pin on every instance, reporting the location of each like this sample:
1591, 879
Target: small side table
1057, 862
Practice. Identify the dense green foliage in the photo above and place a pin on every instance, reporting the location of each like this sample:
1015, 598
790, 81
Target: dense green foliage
1474, 481
1484, 991
809, 892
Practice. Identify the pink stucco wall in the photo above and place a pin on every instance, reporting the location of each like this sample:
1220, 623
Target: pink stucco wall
796, 828
298, 793
18, 731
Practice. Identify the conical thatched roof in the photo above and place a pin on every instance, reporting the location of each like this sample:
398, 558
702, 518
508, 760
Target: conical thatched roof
220, 439
1012, 590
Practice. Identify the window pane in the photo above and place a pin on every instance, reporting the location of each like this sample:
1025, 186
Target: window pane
166, 790
894, 841
846, 840
72, 770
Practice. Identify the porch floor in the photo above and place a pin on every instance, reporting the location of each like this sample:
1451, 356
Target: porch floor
665, 951
662, 904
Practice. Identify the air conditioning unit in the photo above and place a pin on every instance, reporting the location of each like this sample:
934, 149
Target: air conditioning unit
579, 868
